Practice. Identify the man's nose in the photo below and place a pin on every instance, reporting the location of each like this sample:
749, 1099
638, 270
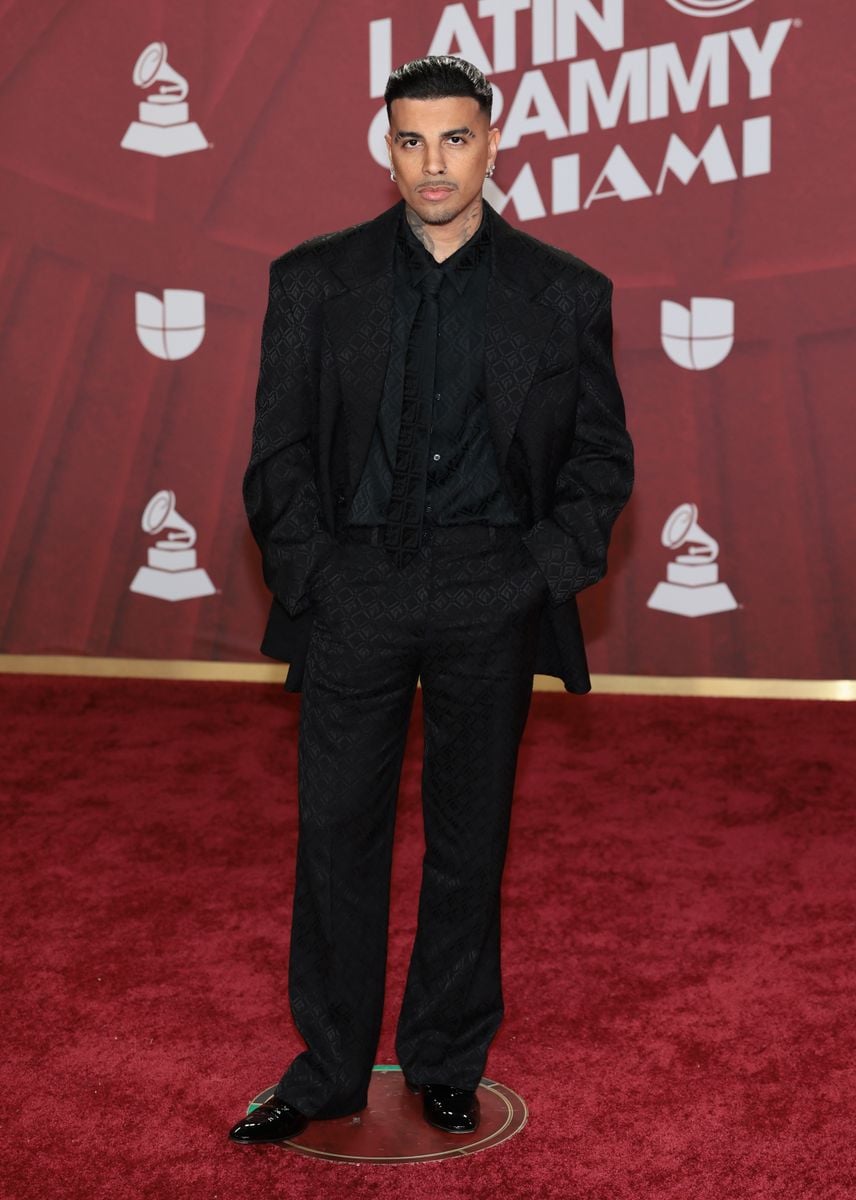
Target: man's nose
434, 162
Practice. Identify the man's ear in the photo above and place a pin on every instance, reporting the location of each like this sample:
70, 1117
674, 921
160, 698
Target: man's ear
493, 138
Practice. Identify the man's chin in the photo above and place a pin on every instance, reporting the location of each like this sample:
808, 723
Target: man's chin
438, 215
438, 220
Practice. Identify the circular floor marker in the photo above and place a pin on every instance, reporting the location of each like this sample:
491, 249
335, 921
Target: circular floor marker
392, 1129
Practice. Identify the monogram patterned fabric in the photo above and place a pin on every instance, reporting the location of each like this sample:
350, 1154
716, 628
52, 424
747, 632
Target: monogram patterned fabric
555, 411
462, 616
470, 615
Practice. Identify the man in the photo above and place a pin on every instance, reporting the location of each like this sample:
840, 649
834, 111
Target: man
439, 455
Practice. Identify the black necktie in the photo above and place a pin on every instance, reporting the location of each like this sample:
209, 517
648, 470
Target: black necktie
403, 532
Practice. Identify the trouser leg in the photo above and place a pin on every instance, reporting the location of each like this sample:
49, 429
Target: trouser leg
476, 676
359, 682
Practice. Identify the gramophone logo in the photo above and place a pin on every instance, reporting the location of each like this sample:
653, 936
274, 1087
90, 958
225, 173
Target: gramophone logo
173, 327
164, 127
698, 337
709, 8
693, 588
172, 572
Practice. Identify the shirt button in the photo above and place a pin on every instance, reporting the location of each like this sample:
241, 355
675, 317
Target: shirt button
436, 458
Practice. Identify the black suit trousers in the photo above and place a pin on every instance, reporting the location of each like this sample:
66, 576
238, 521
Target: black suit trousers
463, 618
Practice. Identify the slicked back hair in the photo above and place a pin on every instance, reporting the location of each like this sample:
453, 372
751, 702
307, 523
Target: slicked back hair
434, 78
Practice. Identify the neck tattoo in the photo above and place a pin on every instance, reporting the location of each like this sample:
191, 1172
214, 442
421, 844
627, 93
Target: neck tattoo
471, 221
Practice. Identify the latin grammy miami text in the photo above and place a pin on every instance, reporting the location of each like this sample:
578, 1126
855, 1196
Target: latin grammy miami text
561, 97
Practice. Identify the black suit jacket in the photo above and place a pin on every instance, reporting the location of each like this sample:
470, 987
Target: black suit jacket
555, 409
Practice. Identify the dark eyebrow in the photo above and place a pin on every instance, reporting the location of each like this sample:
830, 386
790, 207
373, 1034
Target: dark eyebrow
409, 133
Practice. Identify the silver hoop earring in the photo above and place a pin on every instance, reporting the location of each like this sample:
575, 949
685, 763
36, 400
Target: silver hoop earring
392, 176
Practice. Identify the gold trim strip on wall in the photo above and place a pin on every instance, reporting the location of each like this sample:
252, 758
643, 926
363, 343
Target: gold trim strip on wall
244, 672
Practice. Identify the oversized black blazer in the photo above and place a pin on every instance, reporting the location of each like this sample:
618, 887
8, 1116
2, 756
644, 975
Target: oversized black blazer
555, 409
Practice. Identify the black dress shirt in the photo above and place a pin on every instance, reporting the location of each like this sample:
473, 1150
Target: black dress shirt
463, 483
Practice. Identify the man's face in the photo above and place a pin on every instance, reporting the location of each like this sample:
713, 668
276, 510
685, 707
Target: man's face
440, 151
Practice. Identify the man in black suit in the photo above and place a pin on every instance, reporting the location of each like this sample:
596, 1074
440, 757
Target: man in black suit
439, 454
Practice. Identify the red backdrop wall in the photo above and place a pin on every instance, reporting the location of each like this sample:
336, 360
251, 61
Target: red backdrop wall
284, 96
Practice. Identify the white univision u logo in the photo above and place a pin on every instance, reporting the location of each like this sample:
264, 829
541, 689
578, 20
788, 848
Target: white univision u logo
709, 8
173, 327
699, 337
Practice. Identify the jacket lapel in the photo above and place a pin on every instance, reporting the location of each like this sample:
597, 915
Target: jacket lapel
517, 329
358, 323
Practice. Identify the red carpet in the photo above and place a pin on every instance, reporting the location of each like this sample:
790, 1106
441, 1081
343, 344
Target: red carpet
679, 955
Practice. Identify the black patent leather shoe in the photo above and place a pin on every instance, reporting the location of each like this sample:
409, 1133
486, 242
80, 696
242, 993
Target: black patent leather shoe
273, 1121
452, 1109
